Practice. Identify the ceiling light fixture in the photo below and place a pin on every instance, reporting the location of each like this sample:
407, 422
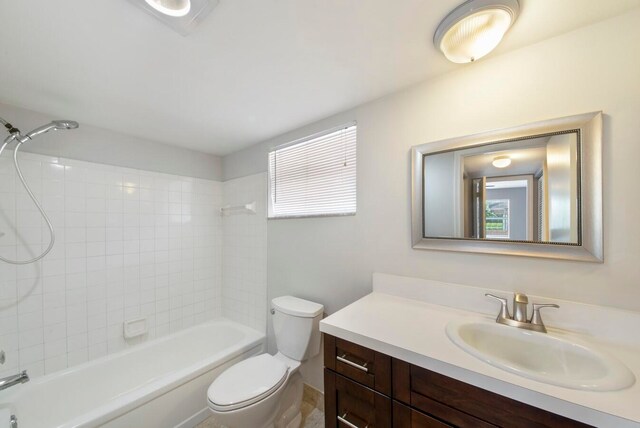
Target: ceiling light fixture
171, 7
182, 16
474, 29
501, 161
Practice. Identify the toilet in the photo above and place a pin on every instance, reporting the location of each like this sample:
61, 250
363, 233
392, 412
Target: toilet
266, 390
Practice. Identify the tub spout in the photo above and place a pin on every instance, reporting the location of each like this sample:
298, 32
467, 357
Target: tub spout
10, 381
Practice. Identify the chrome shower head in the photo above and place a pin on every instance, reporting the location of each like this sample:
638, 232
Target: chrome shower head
55, 125
65, 124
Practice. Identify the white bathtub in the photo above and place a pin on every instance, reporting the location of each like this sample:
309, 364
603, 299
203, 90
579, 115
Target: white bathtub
161, 383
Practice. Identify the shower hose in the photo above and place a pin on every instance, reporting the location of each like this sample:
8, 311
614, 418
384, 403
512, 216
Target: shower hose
35, 201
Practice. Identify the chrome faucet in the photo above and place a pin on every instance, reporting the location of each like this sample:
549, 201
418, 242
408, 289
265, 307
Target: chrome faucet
519, 319
10, 381
520, 302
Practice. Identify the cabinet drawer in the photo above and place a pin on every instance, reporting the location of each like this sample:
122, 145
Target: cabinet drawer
466, 405
349, 404
406, 417
358, 363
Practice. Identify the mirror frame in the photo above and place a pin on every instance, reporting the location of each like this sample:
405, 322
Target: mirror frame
590, 249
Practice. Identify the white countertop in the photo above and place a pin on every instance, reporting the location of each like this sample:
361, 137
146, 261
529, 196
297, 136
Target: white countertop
414, 331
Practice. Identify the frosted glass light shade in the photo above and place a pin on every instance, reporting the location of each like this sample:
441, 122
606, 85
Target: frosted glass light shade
501, 161
171, 7
474, 29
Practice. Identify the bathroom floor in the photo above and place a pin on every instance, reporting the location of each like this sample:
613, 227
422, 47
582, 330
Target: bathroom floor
312, 411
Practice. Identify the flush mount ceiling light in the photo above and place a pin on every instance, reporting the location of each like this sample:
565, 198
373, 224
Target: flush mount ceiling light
501, 161
475, 28
171, 7
182, 16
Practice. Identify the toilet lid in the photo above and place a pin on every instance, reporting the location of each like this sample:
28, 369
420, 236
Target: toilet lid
247, 382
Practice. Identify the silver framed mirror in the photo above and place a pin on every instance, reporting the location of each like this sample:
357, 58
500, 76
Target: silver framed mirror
533, 190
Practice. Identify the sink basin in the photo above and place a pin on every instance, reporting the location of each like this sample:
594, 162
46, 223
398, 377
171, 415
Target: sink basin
542, 357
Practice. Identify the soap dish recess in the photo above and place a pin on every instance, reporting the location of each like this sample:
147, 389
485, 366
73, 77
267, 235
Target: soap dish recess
135, 327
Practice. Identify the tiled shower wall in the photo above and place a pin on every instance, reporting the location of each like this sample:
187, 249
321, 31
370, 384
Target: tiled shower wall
129, 244
244, 253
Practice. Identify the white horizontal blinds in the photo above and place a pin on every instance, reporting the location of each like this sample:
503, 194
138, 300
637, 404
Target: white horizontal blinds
314, 177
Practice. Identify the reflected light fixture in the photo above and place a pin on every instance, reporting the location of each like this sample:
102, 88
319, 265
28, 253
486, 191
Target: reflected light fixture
474, 29
171, 7
501, 161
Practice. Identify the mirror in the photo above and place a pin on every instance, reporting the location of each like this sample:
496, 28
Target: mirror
533, 190
523, 190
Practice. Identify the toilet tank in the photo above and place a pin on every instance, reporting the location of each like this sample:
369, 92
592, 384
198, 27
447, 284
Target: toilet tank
296, 325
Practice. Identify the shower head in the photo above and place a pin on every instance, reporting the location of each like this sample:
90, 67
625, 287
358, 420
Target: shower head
55, 125
65, 124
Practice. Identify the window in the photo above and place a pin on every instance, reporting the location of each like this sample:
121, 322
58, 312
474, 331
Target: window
497, 219
315, 176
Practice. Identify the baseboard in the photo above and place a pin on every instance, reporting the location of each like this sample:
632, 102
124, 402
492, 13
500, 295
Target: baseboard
313, 397
194, 420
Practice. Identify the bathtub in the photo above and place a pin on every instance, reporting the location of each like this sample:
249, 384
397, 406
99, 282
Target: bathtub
161, 383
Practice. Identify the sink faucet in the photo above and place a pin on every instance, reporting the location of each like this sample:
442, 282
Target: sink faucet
520, 302
519, 319
10, 381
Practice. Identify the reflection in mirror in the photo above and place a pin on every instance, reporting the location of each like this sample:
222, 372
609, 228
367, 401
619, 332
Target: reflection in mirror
522, 190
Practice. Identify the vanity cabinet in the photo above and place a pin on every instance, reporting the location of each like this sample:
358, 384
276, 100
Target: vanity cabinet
364, 388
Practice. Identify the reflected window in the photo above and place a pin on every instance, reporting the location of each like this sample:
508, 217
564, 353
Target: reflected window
497, 219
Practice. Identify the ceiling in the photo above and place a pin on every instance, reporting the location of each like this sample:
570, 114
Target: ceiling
523, 162
252, 70
527, 158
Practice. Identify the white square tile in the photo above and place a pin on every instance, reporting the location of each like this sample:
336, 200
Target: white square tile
116, 256
55, 364
97, 248
31, 354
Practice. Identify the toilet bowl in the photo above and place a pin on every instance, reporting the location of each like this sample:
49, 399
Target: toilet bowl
266, 390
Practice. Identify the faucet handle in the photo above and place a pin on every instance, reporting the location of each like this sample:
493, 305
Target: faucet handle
504, 309
535, 317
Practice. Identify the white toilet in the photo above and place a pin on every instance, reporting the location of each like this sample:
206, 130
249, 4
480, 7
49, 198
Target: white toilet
266, 390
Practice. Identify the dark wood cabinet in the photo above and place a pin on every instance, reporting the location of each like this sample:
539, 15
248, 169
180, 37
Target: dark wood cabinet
352, 403
405, 416
363, 365
364, 388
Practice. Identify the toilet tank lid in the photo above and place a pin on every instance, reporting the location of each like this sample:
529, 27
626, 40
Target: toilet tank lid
297, 307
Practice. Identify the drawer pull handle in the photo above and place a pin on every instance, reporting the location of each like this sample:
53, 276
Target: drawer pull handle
343, 359
344, 420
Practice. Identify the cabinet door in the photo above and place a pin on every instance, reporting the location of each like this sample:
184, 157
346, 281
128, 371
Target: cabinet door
351, 405
465, 405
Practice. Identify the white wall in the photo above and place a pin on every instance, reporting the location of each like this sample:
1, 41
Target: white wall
330, 260
439, 212
92, 144
129, 243
244, 252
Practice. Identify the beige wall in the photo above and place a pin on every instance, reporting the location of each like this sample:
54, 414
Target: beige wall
330, 260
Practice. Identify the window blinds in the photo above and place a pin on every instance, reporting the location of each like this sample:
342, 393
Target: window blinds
315, 176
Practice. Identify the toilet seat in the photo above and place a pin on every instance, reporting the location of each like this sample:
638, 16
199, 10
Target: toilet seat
247, 382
